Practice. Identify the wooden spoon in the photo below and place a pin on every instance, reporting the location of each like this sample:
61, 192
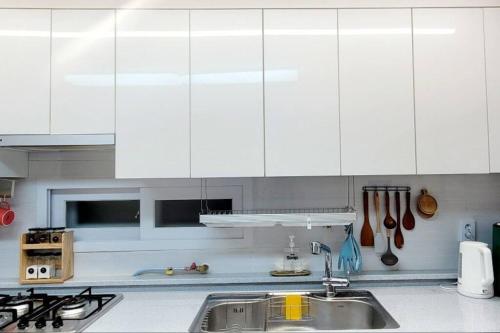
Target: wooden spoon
427, 205
398, 235
379, 237
408, 218
366, 230
389, 258
389, 222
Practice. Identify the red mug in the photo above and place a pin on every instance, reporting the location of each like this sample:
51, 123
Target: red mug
7, 215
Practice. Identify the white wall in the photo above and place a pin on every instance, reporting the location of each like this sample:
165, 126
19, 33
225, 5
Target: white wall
432, 245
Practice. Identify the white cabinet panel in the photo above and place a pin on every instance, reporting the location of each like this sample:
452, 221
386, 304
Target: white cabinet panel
301, 92
24, 71
227, 130
450, 91
376, 92
492, 43
152, 96
83, 72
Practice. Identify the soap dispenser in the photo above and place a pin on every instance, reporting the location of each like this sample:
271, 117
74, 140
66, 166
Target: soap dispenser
292, 262
291, 265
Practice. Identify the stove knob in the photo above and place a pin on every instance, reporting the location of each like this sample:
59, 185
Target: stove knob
58, 322
23, 323
41, 323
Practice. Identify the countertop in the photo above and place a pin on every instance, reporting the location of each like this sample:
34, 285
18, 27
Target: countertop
415, 308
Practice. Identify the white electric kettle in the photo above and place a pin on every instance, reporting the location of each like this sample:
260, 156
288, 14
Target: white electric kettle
475, 270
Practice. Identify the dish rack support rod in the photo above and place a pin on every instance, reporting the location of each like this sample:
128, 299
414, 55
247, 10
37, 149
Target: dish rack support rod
386, 188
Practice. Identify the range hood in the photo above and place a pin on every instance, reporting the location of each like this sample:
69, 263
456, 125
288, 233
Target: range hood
56, 140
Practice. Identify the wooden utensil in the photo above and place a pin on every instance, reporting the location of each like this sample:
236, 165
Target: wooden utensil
398, 235
408, 218
427, 205
425, 216
379, 238
366, 230
389, 258
389, 222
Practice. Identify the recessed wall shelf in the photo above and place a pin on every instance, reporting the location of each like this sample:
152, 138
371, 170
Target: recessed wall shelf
314, 217
7, 187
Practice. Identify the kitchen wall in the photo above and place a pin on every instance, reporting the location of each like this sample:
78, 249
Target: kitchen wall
433, 245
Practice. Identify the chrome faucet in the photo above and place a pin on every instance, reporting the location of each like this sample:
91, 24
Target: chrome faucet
329, 281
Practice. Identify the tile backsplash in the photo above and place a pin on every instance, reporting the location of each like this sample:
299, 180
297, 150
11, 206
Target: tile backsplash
432, 245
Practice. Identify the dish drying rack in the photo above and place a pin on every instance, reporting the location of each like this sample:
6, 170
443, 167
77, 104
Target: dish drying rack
277, 309
311, 217
295, 217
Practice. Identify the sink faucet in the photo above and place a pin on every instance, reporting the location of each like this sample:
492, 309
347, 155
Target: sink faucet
329, 281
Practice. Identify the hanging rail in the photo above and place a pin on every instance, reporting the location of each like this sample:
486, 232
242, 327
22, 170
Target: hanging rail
386, 188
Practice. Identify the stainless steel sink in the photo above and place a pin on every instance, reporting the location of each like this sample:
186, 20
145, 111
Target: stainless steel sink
348, 310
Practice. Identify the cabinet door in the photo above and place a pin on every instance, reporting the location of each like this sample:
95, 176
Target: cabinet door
450, 91
301, 92
152, 96
376, 92
24, 71
227, 117
492, 43
83, 72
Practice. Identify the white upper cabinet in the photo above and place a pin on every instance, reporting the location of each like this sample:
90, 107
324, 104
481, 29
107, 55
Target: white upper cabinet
450, 91
83, 72
492, 43
227, 116
24, 71
301, 92
152, 94
376, 92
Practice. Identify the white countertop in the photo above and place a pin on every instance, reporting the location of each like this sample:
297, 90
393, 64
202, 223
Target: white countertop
416, 309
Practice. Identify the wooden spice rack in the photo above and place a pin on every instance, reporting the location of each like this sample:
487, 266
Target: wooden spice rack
63, 261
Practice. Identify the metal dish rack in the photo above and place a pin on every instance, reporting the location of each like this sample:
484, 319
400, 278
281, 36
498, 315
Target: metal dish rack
276, 311
323, 217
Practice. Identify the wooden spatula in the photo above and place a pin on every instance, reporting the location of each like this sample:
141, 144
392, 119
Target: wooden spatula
379, 238
366, 230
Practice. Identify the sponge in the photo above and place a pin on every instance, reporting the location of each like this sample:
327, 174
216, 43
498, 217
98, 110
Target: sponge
293, 307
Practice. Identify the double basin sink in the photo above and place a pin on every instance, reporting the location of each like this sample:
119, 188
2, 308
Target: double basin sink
272, 312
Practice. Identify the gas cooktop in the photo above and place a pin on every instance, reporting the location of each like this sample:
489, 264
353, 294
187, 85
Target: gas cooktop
37, 312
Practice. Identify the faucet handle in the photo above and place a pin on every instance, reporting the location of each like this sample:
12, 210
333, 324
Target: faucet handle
336, 282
